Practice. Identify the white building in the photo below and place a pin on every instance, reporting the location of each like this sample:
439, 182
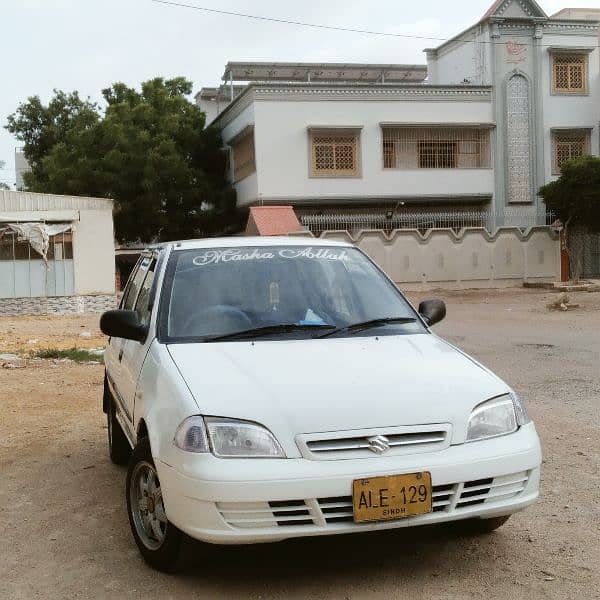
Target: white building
21, 167
578, 14
491, 118
57, 254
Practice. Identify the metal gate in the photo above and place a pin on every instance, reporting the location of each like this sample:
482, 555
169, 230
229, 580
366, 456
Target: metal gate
24, 274
584, 246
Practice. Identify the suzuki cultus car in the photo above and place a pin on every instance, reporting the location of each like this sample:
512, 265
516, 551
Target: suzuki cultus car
269, 388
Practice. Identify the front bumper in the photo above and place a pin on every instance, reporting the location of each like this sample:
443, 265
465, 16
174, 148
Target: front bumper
249, 501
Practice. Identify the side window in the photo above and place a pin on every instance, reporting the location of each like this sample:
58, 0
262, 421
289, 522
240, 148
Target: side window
133, 287
142, 306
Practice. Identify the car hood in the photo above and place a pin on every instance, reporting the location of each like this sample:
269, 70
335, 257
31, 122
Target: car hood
337, 384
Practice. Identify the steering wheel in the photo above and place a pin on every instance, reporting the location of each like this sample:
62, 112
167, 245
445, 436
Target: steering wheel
235, 318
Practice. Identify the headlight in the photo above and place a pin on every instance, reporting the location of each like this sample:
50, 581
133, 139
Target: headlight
520, 410
495, 417
191, 436
227, 438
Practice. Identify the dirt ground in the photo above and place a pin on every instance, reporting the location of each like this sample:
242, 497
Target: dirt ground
28, 334
65, 532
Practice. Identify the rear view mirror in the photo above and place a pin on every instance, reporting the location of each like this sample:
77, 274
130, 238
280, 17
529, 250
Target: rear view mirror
123, 324
432, 311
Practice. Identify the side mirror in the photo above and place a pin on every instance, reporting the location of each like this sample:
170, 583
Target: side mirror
432, 311
123, 324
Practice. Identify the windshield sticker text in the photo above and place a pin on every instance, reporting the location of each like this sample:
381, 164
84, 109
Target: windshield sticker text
211, 257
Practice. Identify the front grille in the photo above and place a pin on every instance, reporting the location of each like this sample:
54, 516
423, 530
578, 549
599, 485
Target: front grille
489, 490
324, 512
375, 442
256, 515
291, 512
337, 509
360, 443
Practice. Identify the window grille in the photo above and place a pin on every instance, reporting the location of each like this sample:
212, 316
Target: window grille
569, 74
334, 154
244, 162
568, 145
436, 148
437, 155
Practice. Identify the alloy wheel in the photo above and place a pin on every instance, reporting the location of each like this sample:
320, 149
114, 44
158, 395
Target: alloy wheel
147, 508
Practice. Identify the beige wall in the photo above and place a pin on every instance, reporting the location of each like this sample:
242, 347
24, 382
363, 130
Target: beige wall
94, 253
471, 259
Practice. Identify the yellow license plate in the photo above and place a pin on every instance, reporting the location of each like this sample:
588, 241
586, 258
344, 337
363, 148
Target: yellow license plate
391, 497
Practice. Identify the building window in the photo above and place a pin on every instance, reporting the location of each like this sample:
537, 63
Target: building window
334, 154
242, 154
60, 247
569, 73
436, 148
437, 155
567, 145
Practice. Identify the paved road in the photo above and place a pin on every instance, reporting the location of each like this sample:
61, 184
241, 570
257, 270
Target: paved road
65, 532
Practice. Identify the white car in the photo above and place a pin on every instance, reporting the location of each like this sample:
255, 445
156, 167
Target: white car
270, 388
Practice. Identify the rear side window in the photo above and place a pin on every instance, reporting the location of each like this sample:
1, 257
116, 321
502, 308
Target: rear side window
142, 306
134, 285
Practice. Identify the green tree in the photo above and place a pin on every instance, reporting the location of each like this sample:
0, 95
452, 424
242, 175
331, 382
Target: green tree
575, 198
41, 128
3, 185
148, 150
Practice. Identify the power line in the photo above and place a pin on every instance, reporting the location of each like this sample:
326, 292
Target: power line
290, 22
336, 28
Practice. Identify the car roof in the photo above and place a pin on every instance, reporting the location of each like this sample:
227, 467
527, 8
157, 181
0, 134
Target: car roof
247, 241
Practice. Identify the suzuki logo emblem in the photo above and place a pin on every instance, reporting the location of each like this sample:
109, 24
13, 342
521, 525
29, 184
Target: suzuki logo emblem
379, 444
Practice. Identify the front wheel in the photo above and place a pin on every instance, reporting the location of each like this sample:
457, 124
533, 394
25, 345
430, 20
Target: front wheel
157, 538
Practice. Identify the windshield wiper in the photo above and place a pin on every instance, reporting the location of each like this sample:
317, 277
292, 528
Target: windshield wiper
267, 330
356, 327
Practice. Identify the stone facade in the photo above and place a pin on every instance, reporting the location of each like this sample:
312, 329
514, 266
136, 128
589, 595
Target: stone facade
57, 305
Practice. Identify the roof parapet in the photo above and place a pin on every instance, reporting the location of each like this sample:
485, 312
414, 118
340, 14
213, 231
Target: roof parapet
324, 72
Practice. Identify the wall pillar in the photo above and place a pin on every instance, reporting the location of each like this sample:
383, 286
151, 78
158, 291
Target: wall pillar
565, 265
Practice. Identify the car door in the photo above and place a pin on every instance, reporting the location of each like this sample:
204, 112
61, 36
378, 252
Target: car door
114, 351
133, 353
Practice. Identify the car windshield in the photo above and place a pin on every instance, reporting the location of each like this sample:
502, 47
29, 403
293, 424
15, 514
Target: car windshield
270, 292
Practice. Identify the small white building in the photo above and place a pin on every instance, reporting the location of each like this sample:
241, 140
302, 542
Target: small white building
57, 254
492, 117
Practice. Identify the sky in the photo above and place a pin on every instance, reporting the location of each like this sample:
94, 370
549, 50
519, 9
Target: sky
87, 45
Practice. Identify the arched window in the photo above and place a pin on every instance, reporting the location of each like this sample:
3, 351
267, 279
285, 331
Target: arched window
518, 139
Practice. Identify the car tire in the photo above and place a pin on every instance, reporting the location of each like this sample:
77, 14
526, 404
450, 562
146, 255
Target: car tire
158, 540
118, 444
487, 525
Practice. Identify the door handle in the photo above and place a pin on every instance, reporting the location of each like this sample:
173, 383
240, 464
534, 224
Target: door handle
120, 354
